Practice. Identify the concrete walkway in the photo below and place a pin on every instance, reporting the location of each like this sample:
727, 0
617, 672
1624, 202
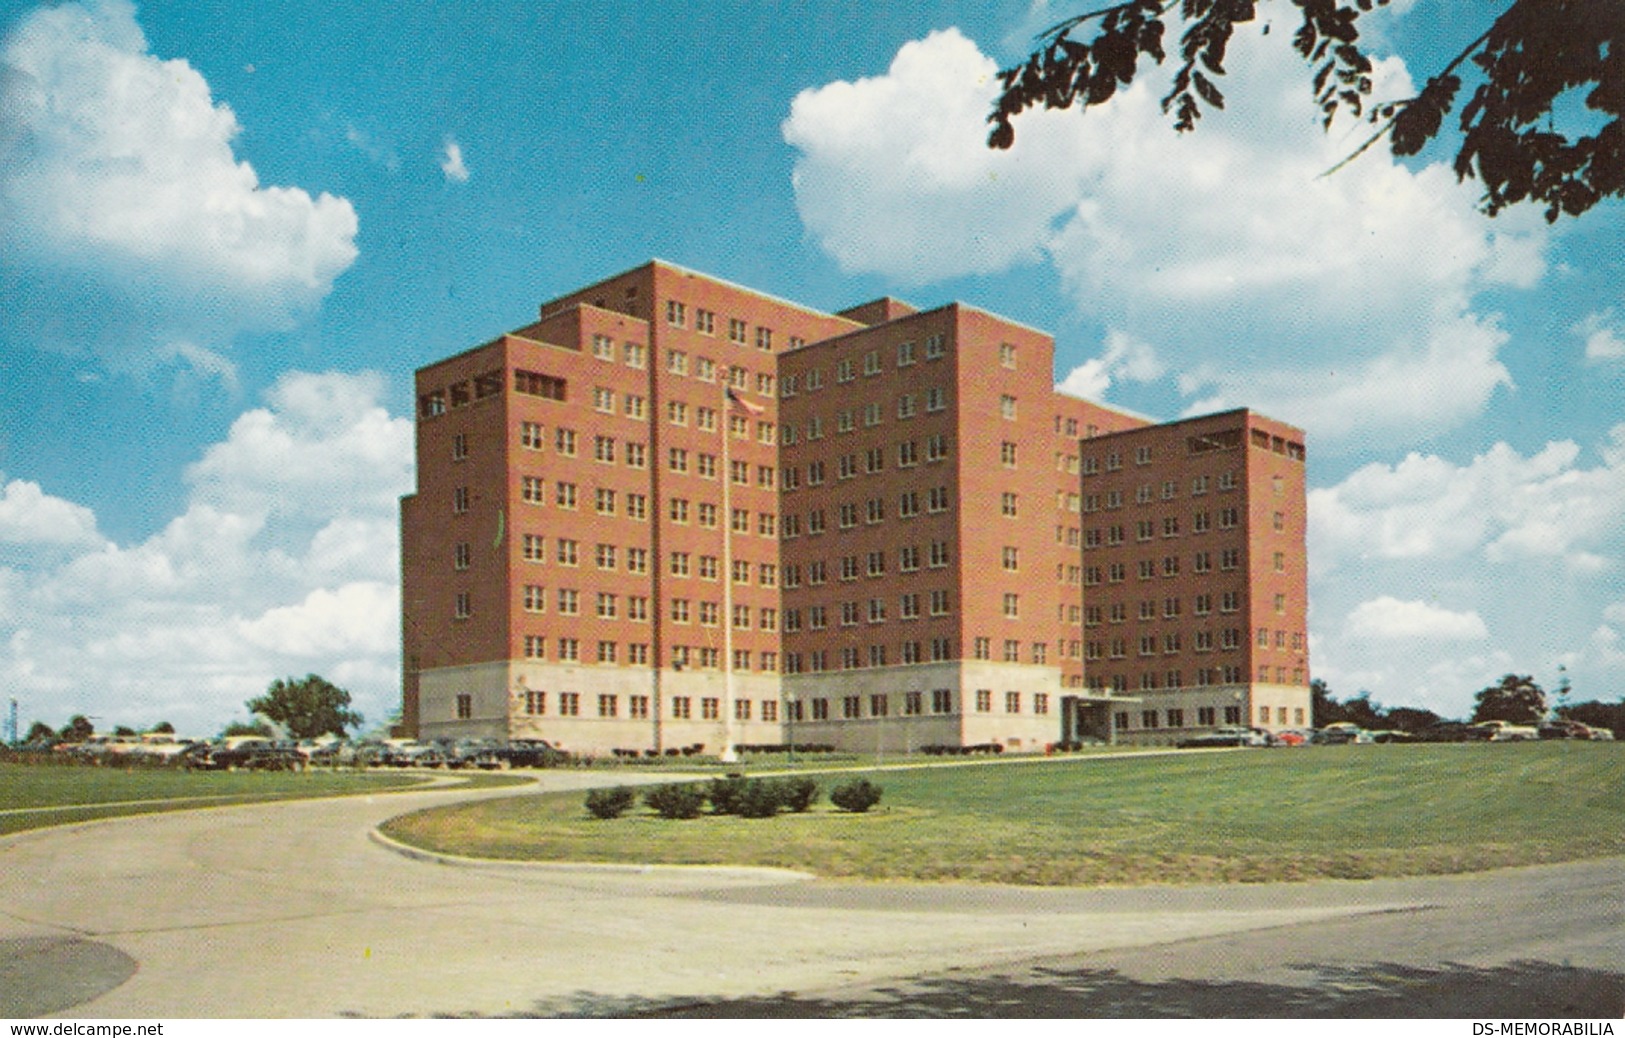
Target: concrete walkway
290, 909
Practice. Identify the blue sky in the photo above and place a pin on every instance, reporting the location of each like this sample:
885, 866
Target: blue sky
227, 238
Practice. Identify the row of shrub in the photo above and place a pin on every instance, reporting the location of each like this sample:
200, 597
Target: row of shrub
962, 751
626, 753
670, 751
734, 795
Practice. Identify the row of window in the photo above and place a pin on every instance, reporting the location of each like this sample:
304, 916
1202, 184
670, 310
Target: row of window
609, 605
1146, 569
871, 461
873, 414
1169, 642
1174, 607
632, 354
930, 348
537, 703
1145, 493
435, 402
1205, 717
703, 657
1228, 674
706, 323
707, 370
1147, 529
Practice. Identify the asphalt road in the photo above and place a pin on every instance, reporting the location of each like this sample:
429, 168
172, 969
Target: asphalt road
291, 909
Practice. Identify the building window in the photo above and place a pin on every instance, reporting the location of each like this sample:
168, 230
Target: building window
465, 706
984, 700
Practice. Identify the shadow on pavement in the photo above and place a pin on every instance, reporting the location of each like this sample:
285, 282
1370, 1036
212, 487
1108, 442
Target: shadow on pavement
40, 975
1521, 989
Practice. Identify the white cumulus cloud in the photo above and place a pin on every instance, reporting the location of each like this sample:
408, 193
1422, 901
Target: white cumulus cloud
451, 162
283, 561
1450, 574
1124, 359
1388, 618
1343, 303
117, 169
29, 516
1604, 340
1500, 506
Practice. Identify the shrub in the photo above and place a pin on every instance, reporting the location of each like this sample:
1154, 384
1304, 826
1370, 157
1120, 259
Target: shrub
858, 796
797, 794
675, 801
609, 803
725, 793
759, 799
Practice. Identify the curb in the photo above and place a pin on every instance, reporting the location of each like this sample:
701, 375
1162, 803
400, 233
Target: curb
759, 873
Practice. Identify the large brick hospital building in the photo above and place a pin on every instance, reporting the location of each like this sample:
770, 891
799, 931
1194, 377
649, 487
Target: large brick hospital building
674, 511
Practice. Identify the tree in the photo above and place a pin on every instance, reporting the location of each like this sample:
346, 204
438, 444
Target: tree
1516, 699
123, 729
39, 731
1536, 56
307, 706
1410, 718
163, 728
1598, 714
259, 728
1323, 709
78, 729
1363, 712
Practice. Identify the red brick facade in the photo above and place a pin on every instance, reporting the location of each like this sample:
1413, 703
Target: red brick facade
678, 512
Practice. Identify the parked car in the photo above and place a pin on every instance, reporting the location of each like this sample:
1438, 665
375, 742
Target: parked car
1392, 735
485, 754
162, 747
1503, 731
326, 751
1289, 737
248, 752
1341, 733
1445, 731
1563, 729
409, 753
534, 753
1229, 735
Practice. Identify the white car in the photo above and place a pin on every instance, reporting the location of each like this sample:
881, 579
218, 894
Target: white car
1504, 731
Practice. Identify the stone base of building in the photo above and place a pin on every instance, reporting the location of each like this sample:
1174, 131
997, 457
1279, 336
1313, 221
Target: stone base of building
603, 710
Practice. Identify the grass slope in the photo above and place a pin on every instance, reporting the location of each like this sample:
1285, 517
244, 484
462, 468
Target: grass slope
1354, 811
76, 794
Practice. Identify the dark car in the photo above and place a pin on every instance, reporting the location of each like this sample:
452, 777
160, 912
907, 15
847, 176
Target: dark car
251, 753
485, 754
1564, 730
534, 753
1446, 731
409, 753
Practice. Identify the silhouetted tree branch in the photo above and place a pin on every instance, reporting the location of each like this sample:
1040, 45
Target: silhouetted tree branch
1535, 54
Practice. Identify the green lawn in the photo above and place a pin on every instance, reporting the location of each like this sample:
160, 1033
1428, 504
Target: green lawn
25, 788
1351, 811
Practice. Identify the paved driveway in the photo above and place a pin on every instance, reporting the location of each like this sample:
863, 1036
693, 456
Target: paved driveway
292, 910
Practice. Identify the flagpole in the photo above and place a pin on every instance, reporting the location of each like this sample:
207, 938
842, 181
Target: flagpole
728, 755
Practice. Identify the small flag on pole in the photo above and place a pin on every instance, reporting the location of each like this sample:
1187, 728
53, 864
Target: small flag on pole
745, 405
